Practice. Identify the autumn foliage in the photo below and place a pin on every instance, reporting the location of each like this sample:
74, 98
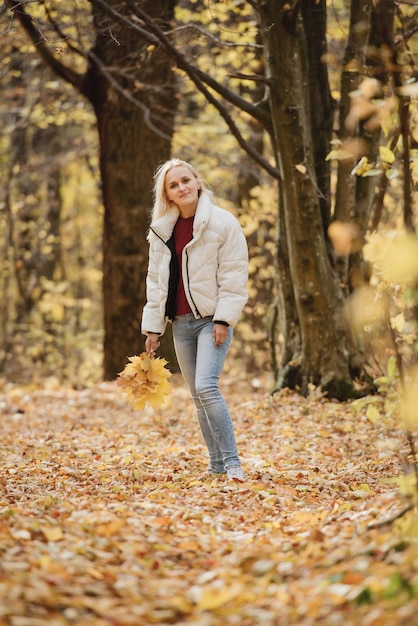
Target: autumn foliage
144, 380
108, 519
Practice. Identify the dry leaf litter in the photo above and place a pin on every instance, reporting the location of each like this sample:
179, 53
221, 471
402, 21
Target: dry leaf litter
108, 519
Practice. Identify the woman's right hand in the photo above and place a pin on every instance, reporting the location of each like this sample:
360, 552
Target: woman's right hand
152, 343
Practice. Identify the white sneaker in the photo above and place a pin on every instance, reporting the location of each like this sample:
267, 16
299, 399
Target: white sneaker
210, 475
235, 473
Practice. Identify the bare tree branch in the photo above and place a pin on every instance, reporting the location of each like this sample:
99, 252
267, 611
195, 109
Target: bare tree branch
77, 80
126, 94
392, 519
257, 78
42, 47
409, 29
211, 37
63, 37
153, 34
202, 81
192, 71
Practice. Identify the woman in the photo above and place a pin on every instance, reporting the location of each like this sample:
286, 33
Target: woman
197, 276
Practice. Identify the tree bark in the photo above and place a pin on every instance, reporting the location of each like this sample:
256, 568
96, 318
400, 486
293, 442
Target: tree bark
132, 143
358, 198
322, 105
324, 357
353, 62
131, 87
284, 332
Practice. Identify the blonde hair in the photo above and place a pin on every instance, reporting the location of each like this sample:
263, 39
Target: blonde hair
161, 202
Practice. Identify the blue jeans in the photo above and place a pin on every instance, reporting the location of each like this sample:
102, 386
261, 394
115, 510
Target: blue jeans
201, 364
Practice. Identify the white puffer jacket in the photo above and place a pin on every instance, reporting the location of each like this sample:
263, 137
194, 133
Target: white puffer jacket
214, 267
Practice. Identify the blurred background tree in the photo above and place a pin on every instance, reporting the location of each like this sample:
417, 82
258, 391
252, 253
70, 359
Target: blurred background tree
130, 87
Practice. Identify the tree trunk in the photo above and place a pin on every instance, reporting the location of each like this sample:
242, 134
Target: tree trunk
353, 61
132, 143
357, 197
322, 105
284, 335
131, 87
324, 357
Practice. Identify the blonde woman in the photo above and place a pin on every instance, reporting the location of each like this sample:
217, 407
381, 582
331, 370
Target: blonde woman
197, 277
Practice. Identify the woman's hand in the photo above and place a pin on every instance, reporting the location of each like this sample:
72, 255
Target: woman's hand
152, 343
220, 334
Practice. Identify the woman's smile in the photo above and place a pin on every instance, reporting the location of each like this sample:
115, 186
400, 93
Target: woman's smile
182, 188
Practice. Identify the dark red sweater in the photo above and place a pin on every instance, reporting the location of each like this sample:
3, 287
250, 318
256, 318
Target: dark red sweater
183, 233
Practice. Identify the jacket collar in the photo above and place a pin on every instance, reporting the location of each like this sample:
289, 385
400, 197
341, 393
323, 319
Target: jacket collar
164, 226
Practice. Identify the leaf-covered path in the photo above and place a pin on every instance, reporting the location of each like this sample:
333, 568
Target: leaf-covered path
107, 519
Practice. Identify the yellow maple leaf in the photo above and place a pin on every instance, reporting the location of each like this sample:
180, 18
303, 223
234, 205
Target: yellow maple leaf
145, 381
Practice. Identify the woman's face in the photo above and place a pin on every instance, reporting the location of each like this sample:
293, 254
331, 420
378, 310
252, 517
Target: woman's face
182, 188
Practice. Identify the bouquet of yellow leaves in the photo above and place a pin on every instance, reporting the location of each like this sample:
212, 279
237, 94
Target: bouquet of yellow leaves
145, 381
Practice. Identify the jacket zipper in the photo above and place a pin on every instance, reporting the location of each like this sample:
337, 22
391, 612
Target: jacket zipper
196, 310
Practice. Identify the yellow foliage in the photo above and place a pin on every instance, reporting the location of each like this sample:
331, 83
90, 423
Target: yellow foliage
409, 402
145, 381
364, 309
386, 154
395, 254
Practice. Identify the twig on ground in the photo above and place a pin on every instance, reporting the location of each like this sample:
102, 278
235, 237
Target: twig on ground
392, 519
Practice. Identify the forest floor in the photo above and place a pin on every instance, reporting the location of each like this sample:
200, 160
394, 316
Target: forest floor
106, 518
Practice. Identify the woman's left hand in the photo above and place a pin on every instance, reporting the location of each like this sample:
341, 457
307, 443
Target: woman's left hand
220, 334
